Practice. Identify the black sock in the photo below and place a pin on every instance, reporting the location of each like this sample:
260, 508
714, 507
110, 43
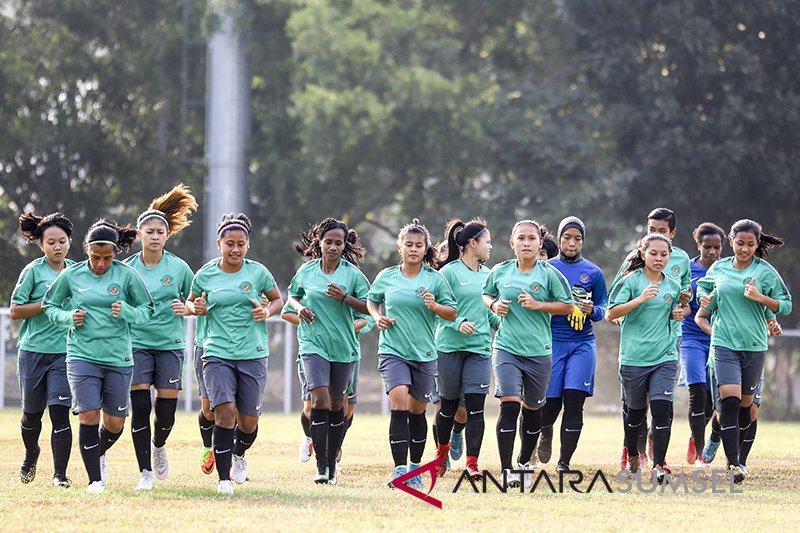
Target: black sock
633, 426
399, 436
31, 427
747, 443
744, 423
458, 427
643, 431
347, 423
418, 431
140, 427
662, 429
529, 432
697, 413
729, 423
206, 429
60, 438
709, 406
445, 419
624, 422
223, 446
476, 424
319, 435
89, 442
716, 432
244, 441
507, 432
164, 421
336, 428
571, 423
107, 439
550, 411
305, 423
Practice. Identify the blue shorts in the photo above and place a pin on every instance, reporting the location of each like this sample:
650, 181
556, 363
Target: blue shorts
573, 367
694, 363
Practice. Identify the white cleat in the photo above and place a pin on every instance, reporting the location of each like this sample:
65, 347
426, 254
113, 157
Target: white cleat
527, 479
512, 478
306, 449
160, 462
225, 487
96, 487
146, 480
239, 469
103, 469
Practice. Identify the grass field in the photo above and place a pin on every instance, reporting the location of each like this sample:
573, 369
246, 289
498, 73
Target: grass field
281, 492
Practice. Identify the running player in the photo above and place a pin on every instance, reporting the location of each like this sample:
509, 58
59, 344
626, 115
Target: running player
235, 348
648, 359
742, 287
41, 358
464, 346
574, 350
326, 293
413, 294
99, 299
159, 347
525, 293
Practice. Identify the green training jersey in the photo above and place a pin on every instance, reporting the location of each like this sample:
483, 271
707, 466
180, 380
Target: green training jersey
738, 322
412, 336
467, 286
524, 332
230, 331
331, 334
102, 338
647, 335
200, 321
37, 333
169, 280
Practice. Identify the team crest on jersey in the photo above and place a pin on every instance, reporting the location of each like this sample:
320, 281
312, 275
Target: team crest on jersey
584, 278
668, 298
167, 281
676, 270
246, 286
113, 289
747, 280
421, 292
536, 288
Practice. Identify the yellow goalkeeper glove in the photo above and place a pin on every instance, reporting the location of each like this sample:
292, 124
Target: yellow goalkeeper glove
577, 318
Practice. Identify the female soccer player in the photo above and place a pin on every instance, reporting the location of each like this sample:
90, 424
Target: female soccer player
42, 366
99, 299
525, 293
464, 346
574, 351
741, 287
413, 294
648, 359
696, 344
235, 348
159, 346
326, 293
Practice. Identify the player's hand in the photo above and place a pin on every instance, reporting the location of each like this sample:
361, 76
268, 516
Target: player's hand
586, 306
116, 307
705, 301
677, 313
775, 329
179, 308
77, 317
259, 313
334, 291
501, 307
686, 296
430, 299
577, 318
306, 315
384, 323
201, 305
649, 292
467, 328
526, 301
751, 291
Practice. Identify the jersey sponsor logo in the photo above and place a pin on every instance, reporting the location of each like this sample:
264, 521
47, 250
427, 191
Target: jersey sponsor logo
83, 289
466, 283
246, 286
167, 280
113, 289
536, 288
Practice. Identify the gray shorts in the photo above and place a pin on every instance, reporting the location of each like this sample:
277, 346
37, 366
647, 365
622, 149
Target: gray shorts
463, 373
759, 394
738, 368
96, 386
239, 382
162, 368
352, 385
643, 383
42, 380
523, 377
420, 376
198, 372
305, 394
323, 373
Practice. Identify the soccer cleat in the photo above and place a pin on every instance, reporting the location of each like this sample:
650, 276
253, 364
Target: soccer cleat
442, 460
743, 469
562, 467
666, 467
239, 469
691, 452
306, 449
398, 471
333, 479
416, 481
699, 463
160, 462
623, 460
472, 468
456, 445
511, 478
27, 472
103, 469
96, 487
207, 460
225, 487
736, 473
526, 478
62, 481
322, 476
545, 445
710, 450
660, 474
633, 464
146, 480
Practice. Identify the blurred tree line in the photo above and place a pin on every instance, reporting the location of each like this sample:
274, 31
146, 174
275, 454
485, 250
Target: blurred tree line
377, 111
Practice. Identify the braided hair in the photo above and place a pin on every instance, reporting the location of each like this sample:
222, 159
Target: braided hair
309, 243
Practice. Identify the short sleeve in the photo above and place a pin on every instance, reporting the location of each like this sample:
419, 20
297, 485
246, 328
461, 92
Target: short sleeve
24, 287
620, 293
377, 292
490, 284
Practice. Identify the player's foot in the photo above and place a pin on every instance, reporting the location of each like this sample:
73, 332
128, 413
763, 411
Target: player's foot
472, 468
633, 464
623, 460
146, 480
643, 462
691, 452
736, 473
710, 450
416, 481
743, 469
526, 478
398, 471
512, 478
699, 463
660, 474
27, 472
207, 460
225, 486
322, 475
60, 480
666, 467
545, 445
306, 449
456, 445
96, 487
441, 459
562, 467
160, 462
239, 469
103, 469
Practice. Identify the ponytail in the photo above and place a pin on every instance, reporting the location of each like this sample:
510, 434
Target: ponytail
637, 261
173, 208
457, 235
33, 226
430, 257
108, 232
765, 240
